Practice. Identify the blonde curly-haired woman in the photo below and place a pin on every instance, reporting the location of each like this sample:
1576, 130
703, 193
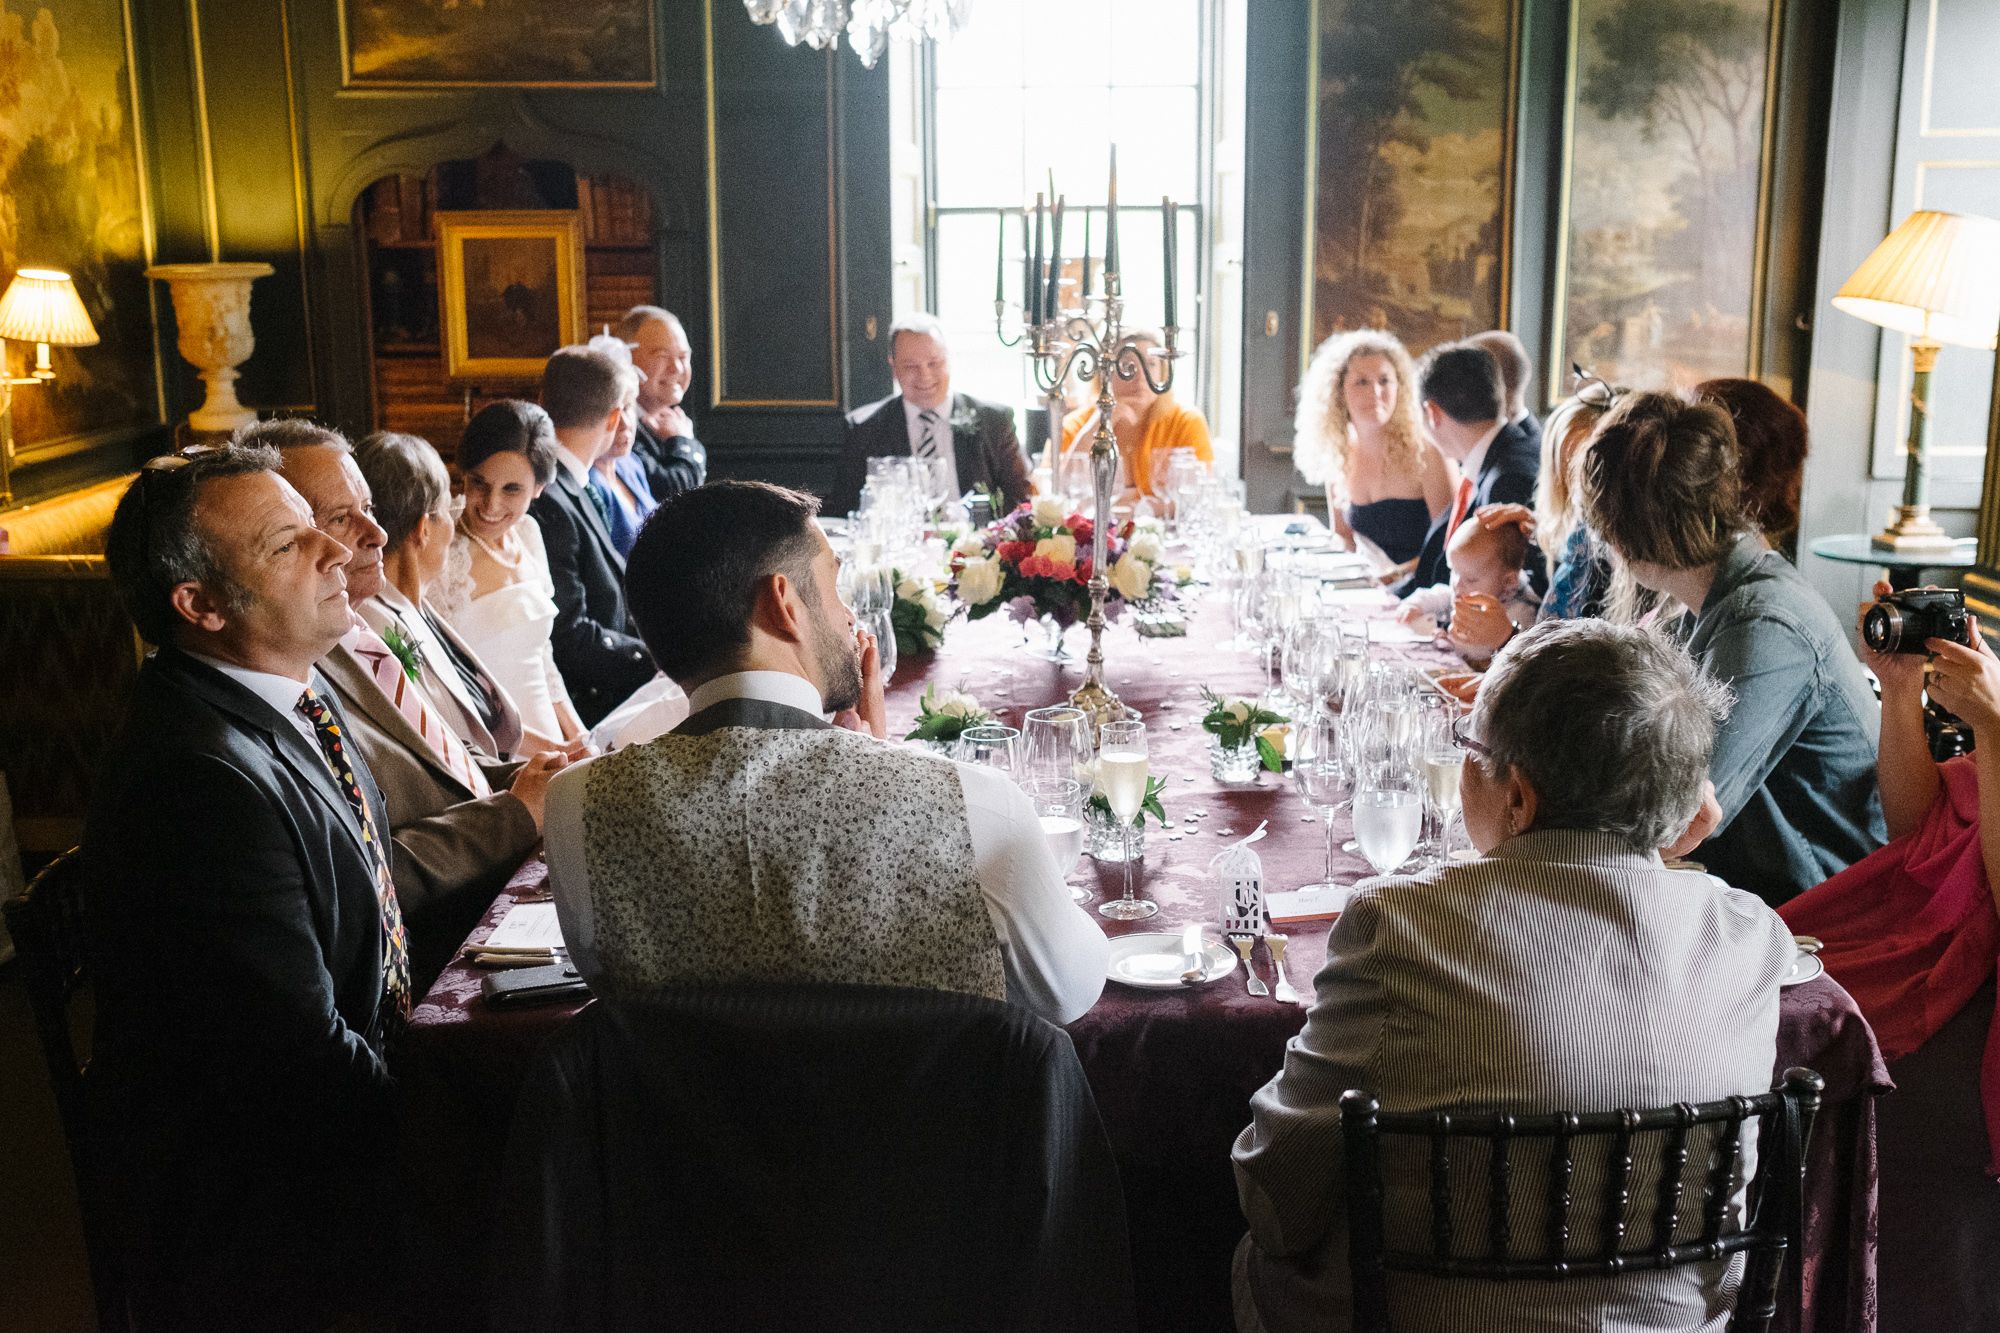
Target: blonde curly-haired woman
1357, 432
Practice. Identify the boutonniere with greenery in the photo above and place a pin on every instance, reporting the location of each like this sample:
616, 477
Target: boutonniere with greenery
1101, 807
405, 649
944, 717
919, 614
964, 421
1237, 722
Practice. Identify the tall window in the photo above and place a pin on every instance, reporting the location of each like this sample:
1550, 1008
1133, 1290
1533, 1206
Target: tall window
1034, 87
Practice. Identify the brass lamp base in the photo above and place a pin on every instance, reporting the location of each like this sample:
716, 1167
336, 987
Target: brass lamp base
1912, 531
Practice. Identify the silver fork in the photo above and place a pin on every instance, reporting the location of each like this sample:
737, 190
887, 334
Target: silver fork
1244, 944
1276, 944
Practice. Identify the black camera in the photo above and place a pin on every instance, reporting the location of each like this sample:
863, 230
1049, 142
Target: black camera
1900, 622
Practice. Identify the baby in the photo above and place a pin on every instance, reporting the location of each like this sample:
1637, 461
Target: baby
1488, 584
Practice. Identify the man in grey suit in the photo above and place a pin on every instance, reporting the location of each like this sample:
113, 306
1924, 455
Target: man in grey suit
461, 821
925, 419
1567, 969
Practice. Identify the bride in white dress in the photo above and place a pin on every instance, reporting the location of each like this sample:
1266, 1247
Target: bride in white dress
496, 590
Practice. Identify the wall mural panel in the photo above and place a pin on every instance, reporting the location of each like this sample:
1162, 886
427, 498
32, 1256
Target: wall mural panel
71, 198
499, 43
1413, 119
1666, 169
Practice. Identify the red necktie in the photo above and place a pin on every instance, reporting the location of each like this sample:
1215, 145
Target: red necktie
1459, 505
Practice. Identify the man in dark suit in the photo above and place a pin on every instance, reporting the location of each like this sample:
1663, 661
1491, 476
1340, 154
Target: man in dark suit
1517, 377
601, 660
1463, 401
927, 420
665, 446
246, 937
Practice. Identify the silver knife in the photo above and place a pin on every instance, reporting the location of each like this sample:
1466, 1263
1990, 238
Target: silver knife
1194, 957
1276, 944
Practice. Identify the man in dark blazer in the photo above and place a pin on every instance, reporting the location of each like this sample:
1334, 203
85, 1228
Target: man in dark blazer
665, 446
926, 419
601, 660
244, 932
1463, 401
1517, 378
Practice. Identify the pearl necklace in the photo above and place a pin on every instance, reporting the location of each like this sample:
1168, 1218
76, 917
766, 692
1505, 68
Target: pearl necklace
507, 562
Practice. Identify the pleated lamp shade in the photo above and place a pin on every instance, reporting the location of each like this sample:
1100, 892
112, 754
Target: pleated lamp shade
1936, 276
41, 306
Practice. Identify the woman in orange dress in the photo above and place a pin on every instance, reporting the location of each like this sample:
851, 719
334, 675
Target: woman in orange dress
1149, 427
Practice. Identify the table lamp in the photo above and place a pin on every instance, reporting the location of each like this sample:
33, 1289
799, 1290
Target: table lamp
1936, 278
40, 307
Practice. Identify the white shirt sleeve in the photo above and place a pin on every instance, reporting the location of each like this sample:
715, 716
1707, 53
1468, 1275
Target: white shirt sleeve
1054, 953
569, 873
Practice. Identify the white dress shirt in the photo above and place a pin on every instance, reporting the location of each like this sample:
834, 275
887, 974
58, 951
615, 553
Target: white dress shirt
1476, 459
913, 417
1053, 952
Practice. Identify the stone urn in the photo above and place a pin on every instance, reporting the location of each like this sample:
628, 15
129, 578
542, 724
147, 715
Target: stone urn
212, 308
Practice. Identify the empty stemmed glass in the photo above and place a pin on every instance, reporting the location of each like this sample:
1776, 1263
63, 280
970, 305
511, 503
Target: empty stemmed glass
1322, 774
992, 746
1122, 768
1056, 757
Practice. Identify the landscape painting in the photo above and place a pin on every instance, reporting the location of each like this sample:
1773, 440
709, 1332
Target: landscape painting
1414, 127
70, 200
1666, 164
499, 43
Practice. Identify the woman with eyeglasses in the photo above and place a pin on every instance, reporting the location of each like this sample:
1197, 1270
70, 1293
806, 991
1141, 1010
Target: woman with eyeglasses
1358, 432
1459, 988
1794, 765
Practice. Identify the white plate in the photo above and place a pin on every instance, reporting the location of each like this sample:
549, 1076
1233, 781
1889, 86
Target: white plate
1804, 968
1153, 960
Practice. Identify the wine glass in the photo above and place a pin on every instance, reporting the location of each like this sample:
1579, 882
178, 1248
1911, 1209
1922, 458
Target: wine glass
1388, 813
992, 746
882, 624
1056, 755
1321, 772
1121, 767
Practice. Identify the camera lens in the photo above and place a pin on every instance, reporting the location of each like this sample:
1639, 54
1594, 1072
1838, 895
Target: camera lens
1882, 628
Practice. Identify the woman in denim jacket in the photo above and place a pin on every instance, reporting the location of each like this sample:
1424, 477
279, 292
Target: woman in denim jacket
1794, 765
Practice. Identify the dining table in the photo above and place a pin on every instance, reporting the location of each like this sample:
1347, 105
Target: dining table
1172, 1070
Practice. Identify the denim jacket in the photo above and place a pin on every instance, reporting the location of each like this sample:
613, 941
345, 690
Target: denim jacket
1794, 765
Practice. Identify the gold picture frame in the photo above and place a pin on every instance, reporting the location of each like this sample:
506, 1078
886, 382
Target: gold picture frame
510, 291
389, 44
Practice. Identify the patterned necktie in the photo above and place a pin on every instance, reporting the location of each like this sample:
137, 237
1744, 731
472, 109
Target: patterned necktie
403, 692
601, 497
1459, 505
927, 445
395, 938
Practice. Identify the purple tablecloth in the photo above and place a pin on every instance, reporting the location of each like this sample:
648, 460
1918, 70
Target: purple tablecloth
1172, 1071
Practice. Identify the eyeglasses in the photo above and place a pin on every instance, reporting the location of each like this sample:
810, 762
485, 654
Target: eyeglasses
1464, 742
1594, 389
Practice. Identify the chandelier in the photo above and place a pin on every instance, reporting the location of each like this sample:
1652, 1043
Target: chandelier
869, 23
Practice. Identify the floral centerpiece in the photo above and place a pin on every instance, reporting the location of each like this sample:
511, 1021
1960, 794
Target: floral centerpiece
1240, 741
918, 615
1036, 565
1107, 842
942, 718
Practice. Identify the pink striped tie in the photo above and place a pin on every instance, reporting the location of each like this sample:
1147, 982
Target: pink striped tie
409, 700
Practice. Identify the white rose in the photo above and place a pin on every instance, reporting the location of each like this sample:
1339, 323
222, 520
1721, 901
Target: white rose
1147, 547
1132, 578
956, 703
1049, 513
1237, 710
1062, 549
979, 581
910, 589
936, 613
969, 544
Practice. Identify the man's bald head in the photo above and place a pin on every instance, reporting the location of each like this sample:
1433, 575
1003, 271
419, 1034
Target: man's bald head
1517, 369
661, 353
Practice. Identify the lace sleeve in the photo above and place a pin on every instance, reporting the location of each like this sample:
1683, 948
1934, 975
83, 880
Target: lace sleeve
453, 593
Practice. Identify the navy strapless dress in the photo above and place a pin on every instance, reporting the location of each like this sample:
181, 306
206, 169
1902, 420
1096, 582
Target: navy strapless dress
1397, 526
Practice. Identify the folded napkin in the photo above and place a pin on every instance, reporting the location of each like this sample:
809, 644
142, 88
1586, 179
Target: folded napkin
1911, 931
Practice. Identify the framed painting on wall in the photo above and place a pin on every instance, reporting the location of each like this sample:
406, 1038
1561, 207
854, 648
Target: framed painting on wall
498, 44
1665, 189
71, 172
1413, 157
510, 291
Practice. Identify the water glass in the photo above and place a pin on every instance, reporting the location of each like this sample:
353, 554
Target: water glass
1122, 768
1322, 775
882, 624
1059, 806
1388, 814
1056, 745
992, 745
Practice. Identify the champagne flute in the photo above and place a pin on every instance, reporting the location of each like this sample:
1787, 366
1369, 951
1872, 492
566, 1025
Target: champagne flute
1444, 765
1321, 772
1121, 766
